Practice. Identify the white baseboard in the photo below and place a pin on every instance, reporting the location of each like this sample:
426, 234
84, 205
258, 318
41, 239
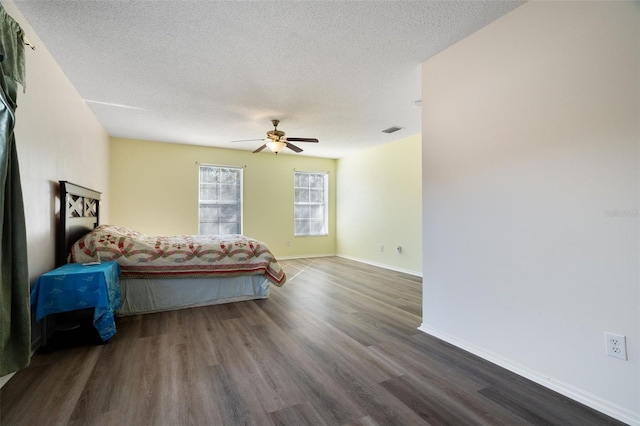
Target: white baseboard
305, 256
5, 379
565, 389
356, 259
382, 265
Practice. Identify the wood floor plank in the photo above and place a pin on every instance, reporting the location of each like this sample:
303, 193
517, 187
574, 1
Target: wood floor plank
109, 383
538, 406
314, 383
232, 404
336, 345
364, 421
433, 406
253, 371
356, 379
329, 343
71, 367
299, 414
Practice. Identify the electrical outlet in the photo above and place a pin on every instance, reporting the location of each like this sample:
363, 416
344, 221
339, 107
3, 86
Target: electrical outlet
288, 243
616, 345
381, 248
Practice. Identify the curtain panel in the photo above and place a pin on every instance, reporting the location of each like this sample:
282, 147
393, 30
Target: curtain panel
15, 314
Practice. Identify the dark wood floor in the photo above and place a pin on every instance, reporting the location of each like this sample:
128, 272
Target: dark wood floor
337, 345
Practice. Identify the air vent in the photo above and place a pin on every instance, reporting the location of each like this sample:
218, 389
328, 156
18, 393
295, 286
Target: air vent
392, 129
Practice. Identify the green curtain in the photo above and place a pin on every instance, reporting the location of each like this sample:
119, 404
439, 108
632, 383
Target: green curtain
15, 315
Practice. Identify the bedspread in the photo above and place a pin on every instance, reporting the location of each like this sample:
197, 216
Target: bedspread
143, 256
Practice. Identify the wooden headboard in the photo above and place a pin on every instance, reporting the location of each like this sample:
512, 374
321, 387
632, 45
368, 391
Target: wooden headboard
79, 214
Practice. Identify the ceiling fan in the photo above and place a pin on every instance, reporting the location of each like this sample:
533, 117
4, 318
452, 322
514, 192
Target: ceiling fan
276, 140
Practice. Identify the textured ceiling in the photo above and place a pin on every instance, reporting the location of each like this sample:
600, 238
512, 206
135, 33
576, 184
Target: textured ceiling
209, 72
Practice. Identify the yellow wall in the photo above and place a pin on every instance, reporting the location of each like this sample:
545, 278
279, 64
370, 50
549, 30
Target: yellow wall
154, 189
379, 203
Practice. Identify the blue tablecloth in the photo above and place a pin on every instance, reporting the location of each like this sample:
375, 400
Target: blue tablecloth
74, 286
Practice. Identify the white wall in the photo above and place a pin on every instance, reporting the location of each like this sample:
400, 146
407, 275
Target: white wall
531, 131
379, 203
58, 138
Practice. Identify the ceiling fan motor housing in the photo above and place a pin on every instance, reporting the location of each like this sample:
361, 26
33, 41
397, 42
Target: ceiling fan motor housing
275, 134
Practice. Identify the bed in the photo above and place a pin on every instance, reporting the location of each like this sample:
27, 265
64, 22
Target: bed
161, 273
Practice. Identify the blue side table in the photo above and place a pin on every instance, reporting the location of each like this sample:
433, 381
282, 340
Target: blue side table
75, 286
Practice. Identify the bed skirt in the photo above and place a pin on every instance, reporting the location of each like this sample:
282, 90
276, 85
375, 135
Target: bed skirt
142, 295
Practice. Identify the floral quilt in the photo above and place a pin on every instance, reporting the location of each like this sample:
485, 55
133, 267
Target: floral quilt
143, 256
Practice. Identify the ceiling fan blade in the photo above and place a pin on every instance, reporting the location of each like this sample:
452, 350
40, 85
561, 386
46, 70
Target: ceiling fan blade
302, 139
261, 148
292, 147
249, 140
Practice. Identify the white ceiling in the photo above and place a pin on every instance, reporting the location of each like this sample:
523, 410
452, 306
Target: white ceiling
209, 72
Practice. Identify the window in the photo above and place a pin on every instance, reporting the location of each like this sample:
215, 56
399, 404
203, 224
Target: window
310, 204
220, 210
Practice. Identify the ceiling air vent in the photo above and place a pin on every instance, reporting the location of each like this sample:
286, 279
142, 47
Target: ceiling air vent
392, 129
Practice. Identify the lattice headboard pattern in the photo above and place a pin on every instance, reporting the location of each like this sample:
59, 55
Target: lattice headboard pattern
79, 214
79, 206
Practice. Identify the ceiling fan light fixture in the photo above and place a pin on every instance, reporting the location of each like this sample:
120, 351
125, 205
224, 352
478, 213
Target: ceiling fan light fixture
276, 140
276, 146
